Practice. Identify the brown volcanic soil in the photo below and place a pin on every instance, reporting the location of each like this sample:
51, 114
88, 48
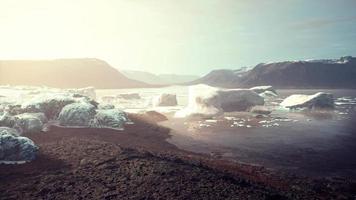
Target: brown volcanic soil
139, 164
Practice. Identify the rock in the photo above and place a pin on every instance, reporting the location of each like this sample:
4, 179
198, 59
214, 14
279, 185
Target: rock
111, 118
129, 96
262, 89
77, 115
209, 101
29, 122
260, 110
14, 148
318, 100
155, 116
165, 100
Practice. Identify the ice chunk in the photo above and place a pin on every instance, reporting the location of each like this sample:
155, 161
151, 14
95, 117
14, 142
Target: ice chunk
112, 118
29, 122
49, 104
129, 96
209, 101
165, 100
106, 106
268, 94
88, 92
77, 115
263, 89
318, 100
14, 148
260, 110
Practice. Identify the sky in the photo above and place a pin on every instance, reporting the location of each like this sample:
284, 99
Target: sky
178, 36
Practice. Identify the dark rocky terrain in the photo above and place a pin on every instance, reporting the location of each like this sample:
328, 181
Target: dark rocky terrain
338, 73
64, 73
139, 164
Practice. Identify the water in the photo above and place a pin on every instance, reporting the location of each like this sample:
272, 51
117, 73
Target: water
318, 143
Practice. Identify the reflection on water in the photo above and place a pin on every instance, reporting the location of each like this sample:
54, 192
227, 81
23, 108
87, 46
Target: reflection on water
308, 143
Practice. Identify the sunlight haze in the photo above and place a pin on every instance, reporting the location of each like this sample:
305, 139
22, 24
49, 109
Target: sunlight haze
186, 37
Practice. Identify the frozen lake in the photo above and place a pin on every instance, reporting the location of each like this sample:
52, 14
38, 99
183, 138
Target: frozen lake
307, 143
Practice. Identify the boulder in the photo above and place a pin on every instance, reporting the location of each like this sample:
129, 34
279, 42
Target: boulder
77, 115
165, 100
209, 101
318, 100
109, 118
14, 148
129, 96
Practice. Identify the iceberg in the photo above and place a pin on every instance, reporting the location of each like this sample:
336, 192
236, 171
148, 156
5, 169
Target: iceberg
14, 148
318, 100
165, 100
210, 101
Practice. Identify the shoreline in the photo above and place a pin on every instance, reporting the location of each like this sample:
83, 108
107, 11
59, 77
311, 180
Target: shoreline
66, 152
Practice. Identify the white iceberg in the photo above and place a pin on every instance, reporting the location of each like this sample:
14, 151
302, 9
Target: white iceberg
165, 100
318, 100
14, 148
209, 101
77, 115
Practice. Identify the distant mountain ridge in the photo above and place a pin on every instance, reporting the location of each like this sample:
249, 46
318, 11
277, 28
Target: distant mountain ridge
65, 73
160, 79
328, 73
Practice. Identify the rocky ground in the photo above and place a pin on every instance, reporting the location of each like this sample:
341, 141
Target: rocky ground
139, 164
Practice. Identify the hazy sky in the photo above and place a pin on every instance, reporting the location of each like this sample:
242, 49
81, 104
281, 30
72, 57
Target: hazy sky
178, 36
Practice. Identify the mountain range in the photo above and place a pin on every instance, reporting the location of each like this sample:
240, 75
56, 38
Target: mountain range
160, 79
65, 73
329, 73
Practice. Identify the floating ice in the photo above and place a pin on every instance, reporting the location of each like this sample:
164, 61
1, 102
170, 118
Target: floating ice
165, 100
209, 101
318, 100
